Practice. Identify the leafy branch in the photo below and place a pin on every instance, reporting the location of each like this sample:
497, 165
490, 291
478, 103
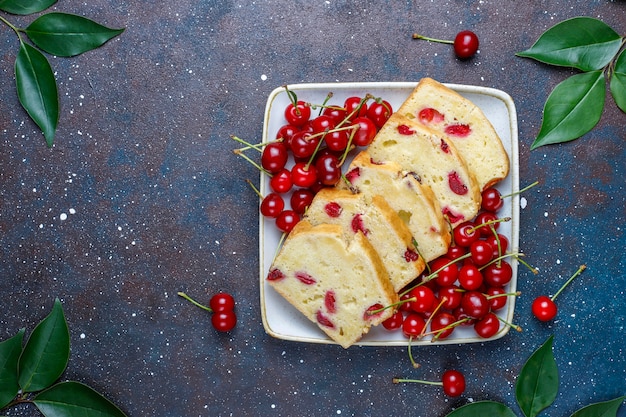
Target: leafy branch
58, 34
536, 389
29, 373
575, 105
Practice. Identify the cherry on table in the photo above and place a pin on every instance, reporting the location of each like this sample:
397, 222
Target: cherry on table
452, 381
544, 308
465, 43
221, 305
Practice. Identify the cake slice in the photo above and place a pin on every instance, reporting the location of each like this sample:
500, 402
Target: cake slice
336, 281
380, 223
414, 203
436, 162
464, 124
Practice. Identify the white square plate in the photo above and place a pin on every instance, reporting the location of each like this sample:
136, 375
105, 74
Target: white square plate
283, 321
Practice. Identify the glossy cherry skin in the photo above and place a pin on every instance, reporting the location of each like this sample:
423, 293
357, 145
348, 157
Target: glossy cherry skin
224, 321
379, 113
221, 302
440, 323
303, 174
470, 277
475, 304
366, 130
328, 169
491, 200
274, 157
465, 234
352, 107
488, 326
465, 44
297, 115
447, 275
281, 182
413, 325
453, 383
301, 199
498, 275
272, 205
287, 220
424, 299
482, 252
544, 308
394, 322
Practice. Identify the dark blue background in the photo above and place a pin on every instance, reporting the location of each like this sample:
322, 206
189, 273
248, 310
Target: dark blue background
157, 203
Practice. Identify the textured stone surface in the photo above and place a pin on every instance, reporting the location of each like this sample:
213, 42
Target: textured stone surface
142, 197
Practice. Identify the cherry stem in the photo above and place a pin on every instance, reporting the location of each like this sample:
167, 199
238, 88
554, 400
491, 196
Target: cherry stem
504, 294
426, 38
249, 145
528, 187
415, 364
419, 381
514, 326
578, 272
247, 158
255, 189
293, 98
194, 302
430, 317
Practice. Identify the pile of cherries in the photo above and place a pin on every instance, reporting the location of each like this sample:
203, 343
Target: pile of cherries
310, 149
465, 287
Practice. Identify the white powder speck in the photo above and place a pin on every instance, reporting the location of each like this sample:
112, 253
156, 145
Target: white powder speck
263, 77
82, 335
523, 202
72, 211
63, 216
545, 214
273, 405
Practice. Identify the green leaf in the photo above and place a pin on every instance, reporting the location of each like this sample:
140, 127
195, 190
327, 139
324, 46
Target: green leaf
37, 89
10, 351
46, 353
572, 109
538, 381
618, 81
25, 7
603, 409
67, 35
483, 408
581, 42
73, 399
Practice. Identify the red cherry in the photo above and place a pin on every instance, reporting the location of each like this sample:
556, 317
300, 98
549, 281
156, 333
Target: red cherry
465, 234
328, 169
281, 182
285, 133
447, 274
274, 157
453, 296
491, 200
303, 145
455, 252
379, 113
442, 325
303, 174
493, 241
301, 199
287, 220
364, 134
482, 252
485, 221
406, 305
470, 277
544, 308
336, 114
224, 321
322, 124
271, 205
337, 140
497, 298
424, 299
475, 304
413, 325
465, 44
453, 383
355, 107
488, 326
297, 115
498, 274
221, 302
394, 322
